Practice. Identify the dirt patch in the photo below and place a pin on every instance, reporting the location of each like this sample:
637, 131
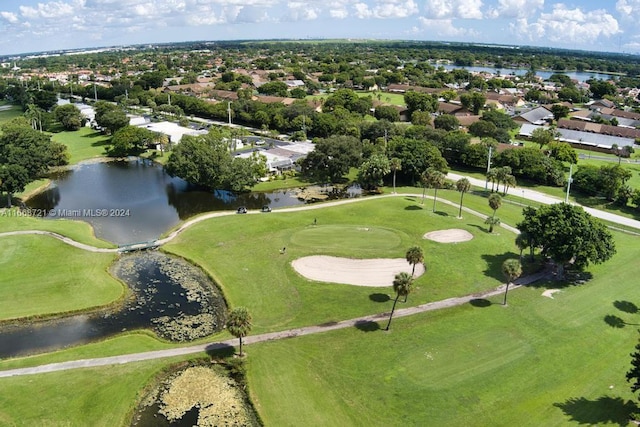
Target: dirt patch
453, 235
378, 272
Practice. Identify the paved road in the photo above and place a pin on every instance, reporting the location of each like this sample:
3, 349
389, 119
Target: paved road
548, 200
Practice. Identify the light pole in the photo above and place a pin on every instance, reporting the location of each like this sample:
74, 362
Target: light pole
566, 199
486, 181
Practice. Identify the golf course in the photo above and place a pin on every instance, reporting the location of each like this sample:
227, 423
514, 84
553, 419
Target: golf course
554, 359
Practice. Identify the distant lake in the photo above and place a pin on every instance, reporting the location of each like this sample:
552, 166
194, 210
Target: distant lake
580, 76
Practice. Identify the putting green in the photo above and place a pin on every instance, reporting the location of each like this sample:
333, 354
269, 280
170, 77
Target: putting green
356, 237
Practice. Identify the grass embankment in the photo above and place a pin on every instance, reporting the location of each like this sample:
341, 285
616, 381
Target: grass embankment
83, 144
43, 276
11, 220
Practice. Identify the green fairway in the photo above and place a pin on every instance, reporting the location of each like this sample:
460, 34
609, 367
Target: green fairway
9, 112
85, 397
242, 253
43, 276
538, 361
83, 144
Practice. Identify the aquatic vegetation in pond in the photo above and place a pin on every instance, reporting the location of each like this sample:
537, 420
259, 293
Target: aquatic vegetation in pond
179, 300
196, 395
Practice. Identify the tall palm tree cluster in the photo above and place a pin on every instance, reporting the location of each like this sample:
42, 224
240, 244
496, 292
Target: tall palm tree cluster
502, 175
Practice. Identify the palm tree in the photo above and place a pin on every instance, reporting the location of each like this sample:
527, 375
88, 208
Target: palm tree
462, 185
239, 323
402, 286
495, 201
512, 269
436, 179
396, 165
522, 241
509, 181
415, 255
491, 176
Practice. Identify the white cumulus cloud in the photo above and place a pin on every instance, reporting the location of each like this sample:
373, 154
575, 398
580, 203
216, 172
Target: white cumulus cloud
452, 9
11, 18
515, 8
564, 25
442, 28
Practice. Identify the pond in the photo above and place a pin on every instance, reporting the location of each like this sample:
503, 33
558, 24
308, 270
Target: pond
136, 201
170, 296
145, 203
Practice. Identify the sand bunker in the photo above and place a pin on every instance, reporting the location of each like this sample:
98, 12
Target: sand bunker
359, 272
453, 235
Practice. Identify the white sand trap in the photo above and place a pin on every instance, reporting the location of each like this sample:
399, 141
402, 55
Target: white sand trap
549, 293
359, 272
453, 235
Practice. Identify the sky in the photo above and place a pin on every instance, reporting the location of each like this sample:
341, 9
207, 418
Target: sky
44, 25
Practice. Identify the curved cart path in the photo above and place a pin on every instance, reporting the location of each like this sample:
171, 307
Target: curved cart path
450, 302
290, 333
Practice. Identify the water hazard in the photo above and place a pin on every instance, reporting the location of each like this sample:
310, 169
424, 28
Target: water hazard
170, 296
167, 295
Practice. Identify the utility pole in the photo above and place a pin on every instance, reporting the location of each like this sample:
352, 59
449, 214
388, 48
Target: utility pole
486, 181
566, 199
95, 93
229, 112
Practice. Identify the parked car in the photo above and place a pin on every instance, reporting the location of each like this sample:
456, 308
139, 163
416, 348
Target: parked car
241, 210
266, 208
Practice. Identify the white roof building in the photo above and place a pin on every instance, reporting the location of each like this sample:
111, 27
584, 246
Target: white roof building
172, 130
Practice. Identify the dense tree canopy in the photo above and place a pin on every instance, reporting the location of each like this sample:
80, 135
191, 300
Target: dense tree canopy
332, 158
25, 154
567, 234
131, 141
416, 156
69, 116
205, 160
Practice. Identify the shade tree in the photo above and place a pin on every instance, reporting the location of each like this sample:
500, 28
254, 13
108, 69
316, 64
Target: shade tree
568, 235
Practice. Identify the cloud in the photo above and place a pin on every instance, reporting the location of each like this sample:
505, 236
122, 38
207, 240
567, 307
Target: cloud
568, 26
515, 8
51, 10
442, 28
11, 18
452, 9
629, 10
302, 11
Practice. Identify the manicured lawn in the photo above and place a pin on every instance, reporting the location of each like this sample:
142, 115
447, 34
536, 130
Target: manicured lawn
242, 254
10, 113
538, 361
103, 396
11, 220
83, 144
43, 276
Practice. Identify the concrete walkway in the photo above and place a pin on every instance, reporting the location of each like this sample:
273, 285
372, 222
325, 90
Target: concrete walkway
548, 200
